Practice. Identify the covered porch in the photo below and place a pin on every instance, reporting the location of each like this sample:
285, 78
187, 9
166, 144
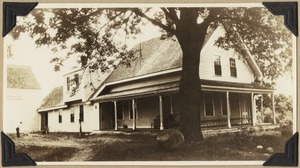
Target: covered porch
223, 107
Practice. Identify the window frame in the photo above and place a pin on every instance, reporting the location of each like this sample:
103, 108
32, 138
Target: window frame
217, 65
232, 66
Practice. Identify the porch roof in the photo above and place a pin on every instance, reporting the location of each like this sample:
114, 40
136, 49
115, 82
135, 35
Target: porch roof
173, 87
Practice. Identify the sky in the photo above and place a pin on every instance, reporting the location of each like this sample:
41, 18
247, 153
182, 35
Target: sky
25, 52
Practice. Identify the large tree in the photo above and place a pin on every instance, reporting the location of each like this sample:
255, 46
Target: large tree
253, 30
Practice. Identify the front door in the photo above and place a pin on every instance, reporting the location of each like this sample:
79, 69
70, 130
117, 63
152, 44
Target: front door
44, 121
106, 111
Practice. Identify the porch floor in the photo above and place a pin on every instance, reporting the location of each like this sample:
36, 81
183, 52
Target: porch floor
206, 131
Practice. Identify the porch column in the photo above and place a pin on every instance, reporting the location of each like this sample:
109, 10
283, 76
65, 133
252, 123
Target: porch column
116, 115
171, 104
133, 115
228, 110
161, 113
273, 108
253, 103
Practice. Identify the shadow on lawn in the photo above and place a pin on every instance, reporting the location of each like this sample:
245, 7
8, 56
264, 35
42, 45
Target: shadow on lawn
228, 146
143, 146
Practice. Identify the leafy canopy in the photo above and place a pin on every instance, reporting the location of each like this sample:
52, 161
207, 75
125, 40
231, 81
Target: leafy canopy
93, 34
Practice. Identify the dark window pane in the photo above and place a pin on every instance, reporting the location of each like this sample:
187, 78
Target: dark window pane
72, 117
81, 113
224, 104
120, 109
209, 105
232, 67
218, 67
218, 70
59, 118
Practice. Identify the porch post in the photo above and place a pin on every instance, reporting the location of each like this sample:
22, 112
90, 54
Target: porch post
116, 117
171, 104
228, 110
273, 108
133, 115
161, 113
253, 103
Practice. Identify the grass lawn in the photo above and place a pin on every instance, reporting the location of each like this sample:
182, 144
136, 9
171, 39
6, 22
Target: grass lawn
142, 146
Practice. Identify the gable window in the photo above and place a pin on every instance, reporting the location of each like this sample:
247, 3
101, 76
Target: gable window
81, 113
209, 109
131, 110
59, 117
72, 117
218, 67
68, 83
76, 81
120, 111
232, 67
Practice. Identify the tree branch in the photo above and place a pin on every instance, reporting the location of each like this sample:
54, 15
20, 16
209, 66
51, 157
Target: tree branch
153, 21
170, 13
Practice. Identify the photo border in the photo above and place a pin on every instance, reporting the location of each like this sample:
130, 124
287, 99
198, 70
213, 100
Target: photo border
217, 163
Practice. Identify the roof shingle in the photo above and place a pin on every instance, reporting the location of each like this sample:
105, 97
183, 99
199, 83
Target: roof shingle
21, 77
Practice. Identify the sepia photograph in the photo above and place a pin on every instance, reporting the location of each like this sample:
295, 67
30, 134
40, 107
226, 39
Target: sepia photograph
97, 83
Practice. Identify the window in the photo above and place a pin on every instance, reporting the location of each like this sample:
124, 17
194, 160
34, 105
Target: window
209, 109
224, 104
76, 80
232, 67
218, 68
72, 118
59, 117
120, 111
81, 113
68, 83
131, 112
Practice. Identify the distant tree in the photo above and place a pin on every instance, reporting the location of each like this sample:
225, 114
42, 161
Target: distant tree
94, 30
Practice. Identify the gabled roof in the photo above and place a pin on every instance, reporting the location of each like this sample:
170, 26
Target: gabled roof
54, 99
152, 56
21, 77
155, 56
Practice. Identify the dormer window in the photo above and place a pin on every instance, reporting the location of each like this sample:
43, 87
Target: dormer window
232, 67
76, 80
218, 68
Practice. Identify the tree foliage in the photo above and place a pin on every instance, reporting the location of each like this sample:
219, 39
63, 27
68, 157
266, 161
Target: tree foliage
91, 32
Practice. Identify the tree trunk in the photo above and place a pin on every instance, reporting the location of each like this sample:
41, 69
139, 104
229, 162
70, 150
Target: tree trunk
191, 40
